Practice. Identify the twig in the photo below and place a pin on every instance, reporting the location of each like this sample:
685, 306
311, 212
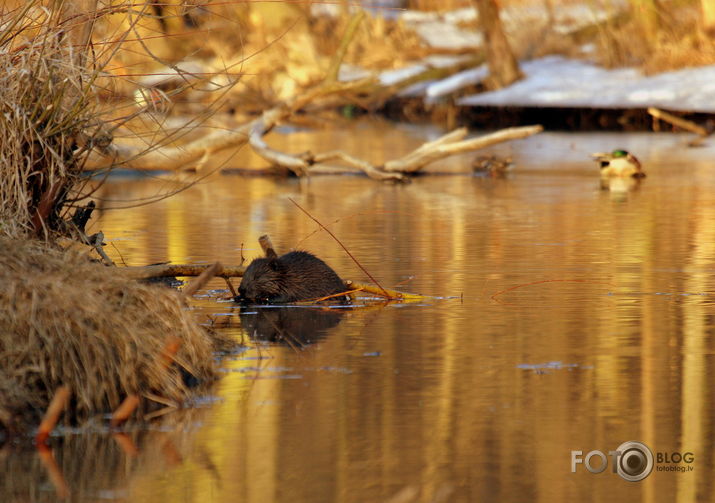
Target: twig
678, 121
516, 287
341, 245
202, 279
96, 241
267, 246
355, 20
390, 294
125, 409
230, 287
54, 410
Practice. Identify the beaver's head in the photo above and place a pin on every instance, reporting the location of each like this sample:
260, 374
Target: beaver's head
263, 281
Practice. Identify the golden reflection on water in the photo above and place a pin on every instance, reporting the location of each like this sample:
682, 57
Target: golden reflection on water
567, 320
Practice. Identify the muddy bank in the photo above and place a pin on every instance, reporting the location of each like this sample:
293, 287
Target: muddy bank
552, 118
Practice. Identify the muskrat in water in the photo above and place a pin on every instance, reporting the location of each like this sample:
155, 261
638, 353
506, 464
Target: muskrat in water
292, 277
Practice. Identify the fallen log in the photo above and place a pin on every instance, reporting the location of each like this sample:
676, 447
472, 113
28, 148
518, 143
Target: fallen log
450, 144
180, 270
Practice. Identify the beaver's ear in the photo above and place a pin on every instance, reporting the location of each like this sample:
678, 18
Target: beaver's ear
275, 265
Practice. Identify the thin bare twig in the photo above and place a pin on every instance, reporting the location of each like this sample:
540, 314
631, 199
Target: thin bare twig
341, 245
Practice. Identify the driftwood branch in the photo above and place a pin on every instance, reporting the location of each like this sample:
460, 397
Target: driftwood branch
452, 143
167, 158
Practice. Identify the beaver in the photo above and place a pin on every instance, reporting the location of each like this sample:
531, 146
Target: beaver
295, 276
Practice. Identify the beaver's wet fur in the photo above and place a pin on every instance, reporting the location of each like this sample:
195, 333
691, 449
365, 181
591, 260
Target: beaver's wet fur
293, 277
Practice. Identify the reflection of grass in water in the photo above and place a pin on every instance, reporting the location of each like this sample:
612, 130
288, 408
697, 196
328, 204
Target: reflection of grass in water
98, 464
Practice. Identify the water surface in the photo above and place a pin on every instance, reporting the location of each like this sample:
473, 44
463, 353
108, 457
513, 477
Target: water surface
561, 317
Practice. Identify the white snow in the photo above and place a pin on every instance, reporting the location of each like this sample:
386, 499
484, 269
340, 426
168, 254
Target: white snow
444, 35
555, 81
442, 30
552, 81
390, 77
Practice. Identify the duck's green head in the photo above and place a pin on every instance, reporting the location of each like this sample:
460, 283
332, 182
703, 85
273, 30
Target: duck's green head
619, 153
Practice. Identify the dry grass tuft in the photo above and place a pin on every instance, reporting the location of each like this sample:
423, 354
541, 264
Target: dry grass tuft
678, 41
67, 321
48, 121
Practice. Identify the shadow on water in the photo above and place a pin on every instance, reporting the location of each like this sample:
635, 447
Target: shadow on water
295, 326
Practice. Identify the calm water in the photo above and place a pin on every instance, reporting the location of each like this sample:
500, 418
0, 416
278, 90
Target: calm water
564, 318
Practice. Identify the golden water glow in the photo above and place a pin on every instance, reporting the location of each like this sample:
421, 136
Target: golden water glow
601, 332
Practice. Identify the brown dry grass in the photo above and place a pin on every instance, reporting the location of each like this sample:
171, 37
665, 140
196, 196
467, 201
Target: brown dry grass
48, 120
67, 321
679, 42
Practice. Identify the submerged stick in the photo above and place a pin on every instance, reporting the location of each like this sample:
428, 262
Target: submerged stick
54, 410
389, 294
203, 278
678, 121
125, 409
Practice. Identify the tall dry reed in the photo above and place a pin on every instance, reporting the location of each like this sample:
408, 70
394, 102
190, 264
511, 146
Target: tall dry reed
48, 119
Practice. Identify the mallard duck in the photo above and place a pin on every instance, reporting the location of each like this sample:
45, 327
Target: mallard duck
619, 163
495, 166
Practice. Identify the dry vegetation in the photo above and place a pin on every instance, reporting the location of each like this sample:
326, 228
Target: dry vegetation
677, 40
47, 125
64, 319
67, 321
